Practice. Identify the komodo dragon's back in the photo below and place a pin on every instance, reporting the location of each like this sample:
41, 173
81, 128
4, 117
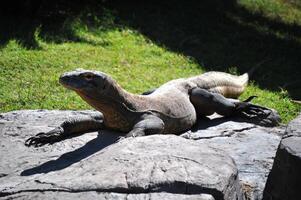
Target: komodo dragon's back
173, 101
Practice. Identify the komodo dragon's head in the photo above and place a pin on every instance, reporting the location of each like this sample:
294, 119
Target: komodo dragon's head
86, 82
101, 92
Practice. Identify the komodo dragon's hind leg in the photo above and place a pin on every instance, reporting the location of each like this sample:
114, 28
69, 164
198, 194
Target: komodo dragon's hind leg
68, 128
148, 125
206, 103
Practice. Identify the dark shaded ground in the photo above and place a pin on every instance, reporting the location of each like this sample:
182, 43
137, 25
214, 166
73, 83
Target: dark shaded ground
217, 34
21, 20
221, 34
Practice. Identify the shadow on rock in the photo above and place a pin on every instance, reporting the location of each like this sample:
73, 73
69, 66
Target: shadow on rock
100, 142
206, 122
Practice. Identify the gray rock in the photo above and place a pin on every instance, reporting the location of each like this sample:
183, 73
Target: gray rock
95, 165
284, 182
294, 128
252, 147
96, 195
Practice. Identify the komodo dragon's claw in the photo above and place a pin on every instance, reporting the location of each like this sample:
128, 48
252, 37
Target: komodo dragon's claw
257, 114
42, 139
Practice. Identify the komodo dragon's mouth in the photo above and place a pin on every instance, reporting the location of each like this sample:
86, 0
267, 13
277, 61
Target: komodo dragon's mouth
63, 82
68, 83
83, 80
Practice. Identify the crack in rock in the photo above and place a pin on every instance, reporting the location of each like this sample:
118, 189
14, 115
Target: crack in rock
224, 133
52, 184
3, 175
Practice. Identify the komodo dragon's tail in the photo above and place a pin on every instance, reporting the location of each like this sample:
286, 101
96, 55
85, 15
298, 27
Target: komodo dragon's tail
228, 85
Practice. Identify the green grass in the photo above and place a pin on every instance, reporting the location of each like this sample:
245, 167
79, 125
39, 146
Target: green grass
29, 78
109, 42
287, 11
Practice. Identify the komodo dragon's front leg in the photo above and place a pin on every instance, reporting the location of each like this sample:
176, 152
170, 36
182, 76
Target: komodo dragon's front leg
68, 128
206, 103
148, 124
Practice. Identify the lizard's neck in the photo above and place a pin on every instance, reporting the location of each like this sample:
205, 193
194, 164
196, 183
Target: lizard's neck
115, 93
116, 104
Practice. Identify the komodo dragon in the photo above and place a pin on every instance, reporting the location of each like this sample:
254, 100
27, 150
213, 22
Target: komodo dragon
170, 109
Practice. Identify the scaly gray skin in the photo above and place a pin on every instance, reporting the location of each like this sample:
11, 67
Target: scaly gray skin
170, 109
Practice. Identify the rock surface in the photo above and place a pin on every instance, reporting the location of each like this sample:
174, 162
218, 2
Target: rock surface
108, 196
252, 147
284, 182
95, 165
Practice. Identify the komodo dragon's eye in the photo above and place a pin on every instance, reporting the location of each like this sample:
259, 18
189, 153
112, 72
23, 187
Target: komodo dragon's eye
88, 76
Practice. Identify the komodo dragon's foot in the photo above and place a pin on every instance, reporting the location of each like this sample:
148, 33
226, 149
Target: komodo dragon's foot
42, 138
257, 114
